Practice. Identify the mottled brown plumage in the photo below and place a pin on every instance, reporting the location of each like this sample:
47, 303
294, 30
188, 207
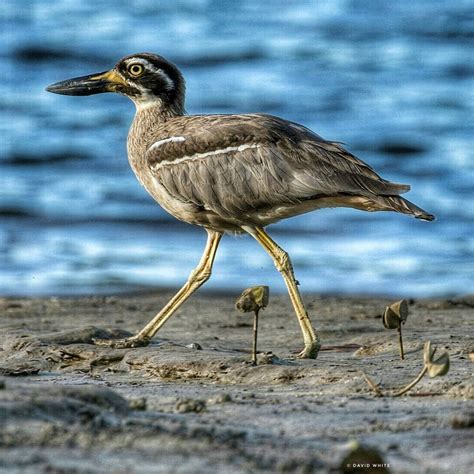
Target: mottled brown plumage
236, 173
291, 170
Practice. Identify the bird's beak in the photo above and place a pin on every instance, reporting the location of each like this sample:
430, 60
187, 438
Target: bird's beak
107, 81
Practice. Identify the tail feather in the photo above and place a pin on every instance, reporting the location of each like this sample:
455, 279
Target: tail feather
400, 204
396, 188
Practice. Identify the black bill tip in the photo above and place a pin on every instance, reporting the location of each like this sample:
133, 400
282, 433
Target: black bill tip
86, 85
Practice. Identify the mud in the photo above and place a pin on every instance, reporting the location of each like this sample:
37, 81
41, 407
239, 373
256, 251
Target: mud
193, 402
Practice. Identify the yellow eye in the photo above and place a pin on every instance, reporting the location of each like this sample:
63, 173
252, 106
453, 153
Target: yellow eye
135, 69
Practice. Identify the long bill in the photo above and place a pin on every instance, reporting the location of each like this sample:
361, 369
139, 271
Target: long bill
98, 83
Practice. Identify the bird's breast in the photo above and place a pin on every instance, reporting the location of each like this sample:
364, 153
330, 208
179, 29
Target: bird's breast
151, 182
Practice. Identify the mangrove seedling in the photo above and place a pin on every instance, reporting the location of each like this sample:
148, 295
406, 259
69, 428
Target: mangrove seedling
433, 367
253, 299
394, 316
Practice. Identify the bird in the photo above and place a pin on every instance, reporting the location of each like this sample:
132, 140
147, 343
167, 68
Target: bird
232, 174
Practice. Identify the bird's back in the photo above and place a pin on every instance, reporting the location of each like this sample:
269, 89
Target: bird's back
252, 168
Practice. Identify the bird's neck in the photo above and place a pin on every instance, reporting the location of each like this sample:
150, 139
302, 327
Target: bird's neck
149, 117
145, 128
159, 109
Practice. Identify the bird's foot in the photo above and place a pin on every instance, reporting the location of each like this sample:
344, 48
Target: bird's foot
126, 343
310, 350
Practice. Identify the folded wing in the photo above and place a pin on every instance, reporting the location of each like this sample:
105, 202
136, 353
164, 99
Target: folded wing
237, 164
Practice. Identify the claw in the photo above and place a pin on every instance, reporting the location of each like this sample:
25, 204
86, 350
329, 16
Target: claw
127, 343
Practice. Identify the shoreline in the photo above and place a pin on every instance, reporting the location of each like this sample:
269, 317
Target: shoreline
67, 404
234, 292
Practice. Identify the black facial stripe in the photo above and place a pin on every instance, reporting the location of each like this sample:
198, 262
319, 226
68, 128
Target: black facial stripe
157, 82
160, 78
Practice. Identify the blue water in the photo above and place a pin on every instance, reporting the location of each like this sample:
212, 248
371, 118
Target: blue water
393, 80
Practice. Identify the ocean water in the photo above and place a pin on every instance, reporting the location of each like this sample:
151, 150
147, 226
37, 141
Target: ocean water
394, 81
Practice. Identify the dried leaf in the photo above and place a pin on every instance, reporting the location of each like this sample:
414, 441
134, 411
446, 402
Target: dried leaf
395, 314
253, 299
440, 366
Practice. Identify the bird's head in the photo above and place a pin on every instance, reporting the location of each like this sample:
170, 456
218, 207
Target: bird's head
145, 78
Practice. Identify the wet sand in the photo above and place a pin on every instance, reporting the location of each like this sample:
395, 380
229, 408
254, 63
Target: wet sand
69, 406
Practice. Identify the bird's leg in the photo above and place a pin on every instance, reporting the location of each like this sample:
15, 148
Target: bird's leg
283, 265
197, 278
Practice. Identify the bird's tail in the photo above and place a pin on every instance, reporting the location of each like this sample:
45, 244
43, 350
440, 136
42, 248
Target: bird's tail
400, 204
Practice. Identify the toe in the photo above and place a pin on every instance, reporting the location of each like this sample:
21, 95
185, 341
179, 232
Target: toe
309, 352
126, 343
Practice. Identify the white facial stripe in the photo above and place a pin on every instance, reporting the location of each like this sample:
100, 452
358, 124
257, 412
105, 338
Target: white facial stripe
166, 79
150, 67
146, 64
166, 140
199, 156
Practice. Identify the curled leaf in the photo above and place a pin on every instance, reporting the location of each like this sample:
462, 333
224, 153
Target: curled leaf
440, 366
253, 299
435, 367
396, 314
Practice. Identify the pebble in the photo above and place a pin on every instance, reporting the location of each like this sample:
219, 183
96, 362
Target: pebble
194, 345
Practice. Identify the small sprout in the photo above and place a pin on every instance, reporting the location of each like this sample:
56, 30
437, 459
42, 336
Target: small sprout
433, 367
253, 299
394, 316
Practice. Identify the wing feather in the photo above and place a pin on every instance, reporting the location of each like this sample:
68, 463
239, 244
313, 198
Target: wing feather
283, 163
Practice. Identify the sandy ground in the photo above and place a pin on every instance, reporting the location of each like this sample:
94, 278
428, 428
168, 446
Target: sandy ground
69, 406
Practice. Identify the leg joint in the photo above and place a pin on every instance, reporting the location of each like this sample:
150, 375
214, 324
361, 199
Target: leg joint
283, 262
200, 275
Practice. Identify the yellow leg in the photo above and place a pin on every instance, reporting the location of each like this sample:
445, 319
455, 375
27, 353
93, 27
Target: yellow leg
283, 264
197, 278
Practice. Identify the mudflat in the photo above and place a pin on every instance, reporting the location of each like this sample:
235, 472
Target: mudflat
192, 402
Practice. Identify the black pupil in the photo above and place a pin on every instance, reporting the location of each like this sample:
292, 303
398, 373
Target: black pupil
136, 69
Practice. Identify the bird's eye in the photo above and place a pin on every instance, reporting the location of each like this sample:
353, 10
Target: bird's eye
135, 69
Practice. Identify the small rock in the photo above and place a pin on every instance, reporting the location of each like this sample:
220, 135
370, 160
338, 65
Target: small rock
464, 420
222, 398
251, 396
195, 346
267, 358
363, 459
189, 405
19, 371
138, 404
